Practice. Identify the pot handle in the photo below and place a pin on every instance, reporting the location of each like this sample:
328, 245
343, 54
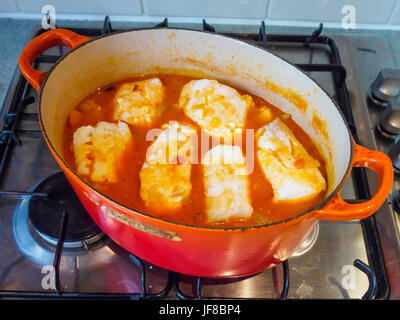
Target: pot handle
37, 46
339, 210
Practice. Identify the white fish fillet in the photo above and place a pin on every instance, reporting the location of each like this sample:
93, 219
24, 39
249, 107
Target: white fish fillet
219, 109
98, 149
165, 175
136, 102
226, 184
292, 172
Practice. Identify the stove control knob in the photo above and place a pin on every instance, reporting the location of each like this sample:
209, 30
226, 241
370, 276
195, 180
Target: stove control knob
389, 127
394, 155
385, 87
396, 202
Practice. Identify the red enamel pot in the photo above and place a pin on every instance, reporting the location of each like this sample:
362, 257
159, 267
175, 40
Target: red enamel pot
200, 251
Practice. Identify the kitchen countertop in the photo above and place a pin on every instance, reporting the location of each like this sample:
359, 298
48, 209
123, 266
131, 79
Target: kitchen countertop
16, 32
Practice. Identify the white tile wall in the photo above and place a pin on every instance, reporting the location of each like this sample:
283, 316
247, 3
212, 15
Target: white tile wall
8, 5
366, 11
123, 7
369, 13
207, 8
395, 18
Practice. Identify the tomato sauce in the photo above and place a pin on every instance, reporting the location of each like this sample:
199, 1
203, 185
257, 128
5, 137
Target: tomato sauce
126, 190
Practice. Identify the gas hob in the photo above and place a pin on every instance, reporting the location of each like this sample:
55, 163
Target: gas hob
71, 257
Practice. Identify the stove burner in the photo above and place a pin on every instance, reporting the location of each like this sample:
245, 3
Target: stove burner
45, 215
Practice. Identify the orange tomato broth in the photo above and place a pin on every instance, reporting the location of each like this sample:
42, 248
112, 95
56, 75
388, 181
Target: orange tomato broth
126, 190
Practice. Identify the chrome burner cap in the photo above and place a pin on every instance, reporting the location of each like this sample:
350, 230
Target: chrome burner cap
45, 215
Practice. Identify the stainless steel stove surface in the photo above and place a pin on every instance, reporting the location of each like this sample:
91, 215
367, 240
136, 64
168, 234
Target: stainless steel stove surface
96, 267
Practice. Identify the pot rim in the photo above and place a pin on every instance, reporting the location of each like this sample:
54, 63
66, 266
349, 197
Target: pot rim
146, 215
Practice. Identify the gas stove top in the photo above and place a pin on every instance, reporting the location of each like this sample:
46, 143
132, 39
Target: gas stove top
51, 248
